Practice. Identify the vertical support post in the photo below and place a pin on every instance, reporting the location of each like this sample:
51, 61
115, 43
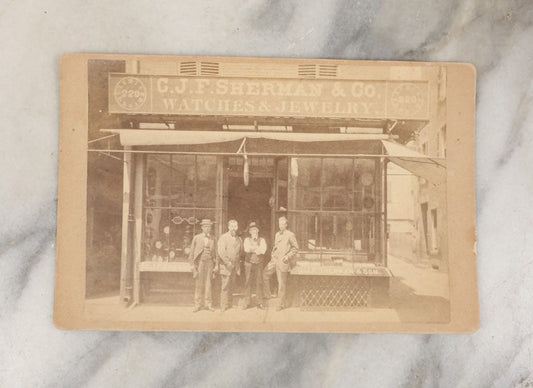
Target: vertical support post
125, 295
137, 239
219, 215
385, 221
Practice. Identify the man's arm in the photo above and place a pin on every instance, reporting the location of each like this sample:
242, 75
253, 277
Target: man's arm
221, 249
294, 246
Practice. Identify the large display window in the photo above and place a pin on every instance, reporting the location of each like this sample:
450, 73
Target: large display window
335, 207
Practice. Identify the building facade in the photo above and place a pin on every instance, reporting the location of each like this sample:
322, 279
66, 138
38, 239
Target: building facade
254, 140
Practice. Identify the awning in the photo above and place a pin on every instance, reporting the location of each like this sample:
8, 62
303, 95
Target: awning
431, 169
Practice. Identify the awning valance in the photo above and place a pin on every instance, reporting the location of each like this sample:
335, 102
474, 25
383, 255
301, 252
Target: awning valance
137, 137
431, 169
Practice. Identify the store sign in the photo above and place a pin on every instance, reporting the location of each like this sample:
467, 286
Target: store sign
340, 270
148, 94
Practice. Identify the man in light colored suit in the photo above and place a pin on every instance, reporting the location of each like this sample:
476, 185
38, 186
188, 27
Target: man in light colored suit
230, 251
202, 257
283, 252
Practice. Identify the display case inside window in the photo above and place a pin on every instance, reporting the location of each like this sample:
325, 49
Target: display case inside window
180, 191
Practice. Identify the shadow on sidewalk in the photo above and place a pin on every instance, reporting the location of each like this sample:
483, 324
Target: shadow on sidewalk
412, 307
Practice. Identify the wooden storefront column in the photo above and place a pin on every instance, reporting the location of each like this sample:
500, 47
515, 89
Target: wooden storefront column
125, 256
137, 235
221, 196
384, 221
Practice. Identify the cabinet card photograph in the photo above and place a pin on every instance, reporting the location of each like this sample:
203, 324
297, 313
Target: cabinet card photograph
266, 194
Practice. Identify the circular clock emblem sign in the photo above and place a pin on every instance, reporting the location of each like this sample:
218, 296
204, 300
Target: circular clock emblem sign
130, 93
407, 99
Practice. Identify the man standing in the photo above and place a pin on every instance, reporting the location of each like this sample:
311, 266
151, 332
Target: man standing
254, 251
230, 250
202, 258
285, 248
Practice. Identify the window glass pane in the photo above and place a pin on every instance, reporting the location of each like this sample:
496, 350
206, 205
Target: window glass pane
206, 181
306, 172
156, 244
184, 174
305, 226
158, 180
337, 176
337, 232
364, 234
182, 225
282, 184
364, 184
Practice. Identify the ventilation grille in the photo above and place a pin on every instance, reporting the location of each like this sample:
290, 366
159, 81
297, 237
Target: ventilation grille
208, 68
198, 68
317, 71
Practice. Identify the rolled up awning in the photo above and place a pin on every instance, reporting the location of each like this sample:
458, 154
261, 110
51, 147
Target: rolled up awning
431, 169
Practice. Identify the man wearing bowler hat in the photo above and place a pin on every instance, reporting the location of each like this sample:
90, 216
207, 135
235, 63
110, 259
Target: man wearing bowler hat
229, 255
202, 258
254, 251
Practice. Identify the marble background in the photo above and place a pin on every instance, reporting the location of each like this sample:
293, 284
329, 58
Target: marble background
496, 36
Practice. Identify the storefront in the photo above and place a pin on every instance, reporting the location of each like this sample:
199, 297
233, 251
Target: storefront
330, 184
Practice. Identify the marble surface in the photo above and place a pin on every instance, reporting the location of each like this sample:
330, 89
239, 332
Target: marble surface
496, 36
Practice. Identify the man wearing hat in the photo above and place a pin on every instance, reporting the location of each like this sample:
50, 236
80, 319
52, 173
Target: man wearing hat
229, 255
202, 258
254, 251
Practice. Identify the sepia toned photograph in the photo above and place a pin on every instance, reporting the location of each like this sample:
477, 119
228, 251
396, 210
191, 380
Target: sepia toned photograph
266, 193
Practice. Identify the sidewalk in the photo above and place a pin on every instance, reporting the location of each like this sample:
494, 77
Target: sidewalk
419, 294
416, 295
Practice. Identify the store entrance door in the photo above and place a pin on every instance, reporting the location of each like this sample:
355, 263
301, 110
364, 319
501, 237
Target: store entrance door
250, 203
247, 203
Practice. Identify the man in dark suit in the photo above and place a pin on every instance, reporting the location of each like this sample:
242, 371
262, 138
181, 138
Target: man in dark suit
202, 258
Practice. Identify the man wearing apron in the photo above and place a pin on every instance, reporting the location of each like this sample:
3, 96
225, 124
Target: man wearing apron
254, 250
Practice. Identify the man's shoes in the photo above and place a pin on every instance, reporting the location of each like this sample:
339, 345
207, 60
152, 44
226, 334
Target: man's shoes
244, 307
209, 308
223, 309
196, 309
261, 307
280, 307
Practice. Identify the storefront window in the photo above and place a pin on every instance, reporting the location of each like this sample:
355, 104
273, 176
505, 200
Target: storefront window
306, 173
335, 205
337, 176
180, 190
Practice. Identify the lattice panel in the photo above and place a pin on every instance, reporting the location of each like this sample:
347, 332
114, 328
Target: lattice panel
334, 291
